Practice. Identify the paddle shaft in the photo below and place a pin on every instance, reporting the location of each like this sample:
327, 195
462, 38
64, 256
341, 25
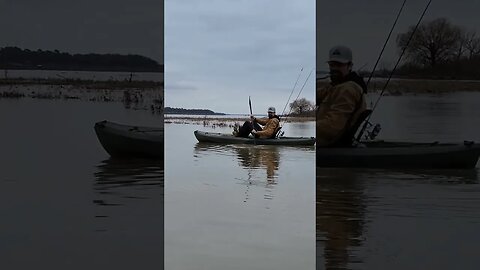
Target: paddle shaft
250, 104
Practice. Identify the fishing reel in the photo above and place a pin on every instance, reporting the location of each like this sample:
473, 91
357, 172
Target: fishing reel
372, 131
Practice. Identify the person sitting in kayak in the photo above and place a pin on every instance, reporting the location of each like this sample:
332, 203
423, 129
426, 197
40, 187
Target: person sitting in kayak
269, 130
340, 104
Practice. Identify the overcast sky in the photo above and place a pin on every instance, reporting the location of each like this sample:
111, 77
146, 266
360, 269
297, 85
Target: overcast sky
219, 52
84, 26
364, 25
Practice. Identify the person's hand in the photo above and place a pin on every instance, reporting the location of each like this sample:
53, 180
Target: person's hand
252, 117
254, 132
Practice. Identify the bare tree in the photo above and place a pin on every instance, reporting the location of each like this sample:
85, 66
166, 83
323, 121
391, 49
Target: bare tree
433, 42
461, 44
301, 106
472, 44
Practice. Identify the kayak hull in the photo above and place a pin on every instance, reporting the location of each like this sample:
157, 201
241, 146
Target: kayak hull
130, 141
223, 138
401, 155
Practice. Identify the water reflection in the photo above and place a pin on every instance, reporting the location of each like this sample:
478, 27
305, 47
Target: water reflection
340, 217
267, 158
443, 176
257, 157
120, 179
259, 162
345, 207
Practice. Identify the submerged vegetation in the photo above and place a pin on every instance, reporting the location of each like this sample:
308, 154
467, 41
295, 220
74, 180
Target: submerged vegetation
87, 84
138, 95
418, 86
222, 122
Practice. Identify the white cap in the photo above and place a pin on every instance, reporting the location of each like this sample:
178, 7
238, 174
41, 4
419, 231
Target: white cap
340, 54
271, 109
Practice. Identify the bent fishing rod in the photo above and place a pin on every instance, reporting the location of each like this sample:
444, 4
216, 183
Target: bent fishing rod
364, 126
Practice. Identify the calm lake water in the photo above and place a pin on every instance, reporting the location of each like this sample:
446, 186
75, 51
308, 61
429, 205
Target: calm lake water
238, 206
64, 203
405, 219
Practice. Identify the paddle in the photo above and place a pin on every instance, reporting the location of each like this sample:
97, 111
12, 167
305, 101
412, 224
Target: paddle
250, 104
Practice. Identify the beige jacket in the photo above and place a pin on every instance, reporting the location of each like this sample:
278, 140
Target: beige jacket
338, 107
270, 126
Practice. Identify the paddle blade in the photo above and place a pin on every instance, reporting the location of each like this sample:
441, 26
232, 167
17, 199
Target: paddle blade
250, 104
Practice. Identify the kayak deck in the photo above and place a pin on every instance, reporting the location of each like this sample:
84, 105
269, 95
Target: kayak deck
222, 138
381, 154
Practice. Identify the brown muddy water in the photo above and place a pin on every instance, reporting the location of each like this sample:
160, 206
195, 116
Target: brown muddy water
405, 219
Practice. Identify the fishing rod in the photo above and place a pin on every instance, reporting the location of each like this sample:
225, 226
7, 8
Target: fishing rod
359, 136
301, 89
292, 90
386, 41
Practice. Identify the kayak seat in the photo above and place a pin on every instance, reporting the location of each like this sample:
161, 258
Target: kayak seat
275, 134
348, 137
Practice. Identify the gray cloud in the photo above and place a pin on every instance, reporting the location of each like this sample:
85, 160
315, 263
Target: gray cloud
364, 25
101, 26
233, 49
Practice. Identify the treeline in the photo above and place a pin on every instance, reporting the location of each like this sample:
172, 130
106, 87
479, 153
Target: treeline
169, 110
439, 50
17, 58
462, 69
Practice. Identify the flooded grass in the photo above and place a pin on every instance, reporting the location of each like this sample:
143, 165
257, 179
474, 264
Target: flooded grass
398, 87
11, 94
87, 84
138, 95
221, 121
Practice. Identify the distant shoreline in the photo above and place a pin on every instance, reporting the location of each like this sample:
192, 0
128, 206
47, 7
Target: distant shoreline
170, 110
15, 58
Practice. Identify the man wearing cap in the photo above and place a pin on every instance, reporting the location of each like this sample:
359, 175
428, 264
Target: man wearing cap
270, 126
339, 104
